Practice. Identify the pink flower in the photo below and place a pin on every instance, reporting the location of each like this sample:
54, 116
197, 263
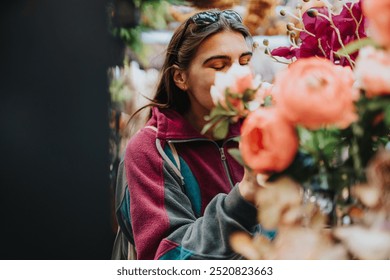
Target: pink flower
314, 92
286, 52
373, 71
326, 42
378, 14
236, 81
268, 142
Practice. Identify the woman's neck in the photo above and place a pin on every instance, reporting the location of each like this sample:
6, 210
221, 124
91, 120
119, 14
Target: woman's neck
198, 122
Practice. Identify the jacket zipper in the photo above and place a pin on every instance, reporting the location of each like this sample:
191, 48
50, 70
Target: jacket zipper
221, 151
223, 158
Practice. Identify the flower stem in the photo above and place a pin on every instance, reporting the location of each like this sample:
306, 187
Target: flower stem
355, 152
354, 18
321, 48
268, 52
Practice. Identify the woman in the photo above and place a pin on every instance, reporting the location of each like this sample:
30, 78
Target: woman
186, 192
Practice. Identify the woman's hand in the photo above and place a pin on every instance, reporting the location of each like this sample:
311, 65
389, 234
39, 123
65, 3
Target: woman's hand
250, 186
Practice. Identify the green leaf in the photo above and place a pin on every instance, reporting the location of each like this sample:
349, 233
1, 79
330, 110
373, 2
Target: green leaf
305, 136
218, 111
356, 45
374, 105
228, 95
387, 116
210, 124
268, 101
221, 129
236, 154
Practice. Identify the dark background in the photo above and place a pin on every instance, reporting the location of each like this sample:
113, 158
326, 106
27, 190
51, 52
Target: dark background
54, 162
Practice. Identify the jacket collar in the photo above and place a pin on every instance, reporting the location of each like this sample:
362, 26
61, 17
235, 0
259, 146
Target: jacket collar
173, 126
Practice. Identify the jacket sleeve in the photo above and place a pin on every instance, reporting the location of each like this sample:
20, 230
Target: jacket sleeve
164, 224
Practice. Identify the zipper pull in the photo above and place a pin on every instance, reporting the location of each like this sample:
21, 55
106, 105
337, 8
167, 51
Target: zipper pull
223, 157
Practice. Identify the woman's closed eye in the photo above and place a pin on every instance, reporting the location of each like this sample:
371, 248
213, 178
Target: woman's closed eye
245, 60
223, 63
226, 66
219, 66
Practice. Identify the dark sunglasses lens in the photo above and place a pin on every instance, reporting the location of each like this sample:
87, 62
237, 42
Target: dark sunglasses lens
230, 14
204, 18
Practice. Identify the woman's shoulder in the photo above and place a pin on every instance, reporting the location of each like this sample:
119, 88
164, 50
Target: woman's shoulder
144, 138
141, 148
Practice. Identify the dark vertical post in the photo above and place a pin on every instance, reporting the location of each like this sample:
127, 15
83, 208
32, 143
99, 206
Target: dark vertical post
54, 177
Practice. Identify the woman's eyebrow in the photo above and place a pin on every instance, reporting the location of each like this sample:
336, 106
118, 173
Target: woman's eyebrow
226, 57
246, 53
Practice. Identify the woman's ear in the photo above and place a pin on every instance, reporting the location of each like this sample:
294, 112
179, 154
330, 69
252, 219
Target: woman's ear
180, 77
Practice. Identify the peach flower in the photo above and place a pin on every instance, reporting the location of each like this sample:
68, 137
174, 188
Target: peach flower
237, 79
314, 92
268, 142
373, 71
378, 14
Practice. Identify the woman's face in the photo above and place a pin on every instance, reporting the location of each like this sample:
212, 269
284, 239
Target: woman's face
217, 53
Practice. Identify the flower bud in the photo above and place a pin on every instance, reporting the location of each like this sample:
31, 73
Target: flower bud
282, 13
292, 34
266, 42
290, 26
299, 7
312, 13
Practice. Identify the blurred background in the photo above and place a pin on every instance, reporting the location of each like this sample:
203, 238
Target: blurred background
72, 72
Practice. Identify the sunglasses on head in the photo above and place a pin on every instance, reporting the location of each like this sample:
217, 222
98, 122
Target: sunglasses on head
206, 18
209, 17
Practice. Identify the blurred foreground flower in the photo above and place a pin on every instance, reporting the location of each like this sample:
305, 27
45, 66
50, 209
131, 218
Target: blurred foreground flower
301, 234
378, 14
268, 142
373, 71
301, 91
370, 238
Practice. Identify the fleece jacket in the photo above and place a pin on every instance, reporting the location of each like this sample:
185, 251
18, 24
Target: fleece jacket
184, 197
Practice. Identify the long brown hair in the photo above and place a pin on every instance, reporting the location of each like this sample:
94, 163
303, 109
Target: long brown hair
168, 95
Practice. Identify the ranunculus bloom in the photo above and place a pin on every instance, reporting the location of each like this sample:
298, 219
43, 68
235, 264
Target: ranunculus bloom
373, 71
378, 14
268, 142
314, 92
237, 79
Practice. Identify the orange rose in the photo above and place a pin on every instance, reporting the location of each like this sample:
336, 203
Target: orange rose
268, 142
373, 71
378, 14
314, 92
